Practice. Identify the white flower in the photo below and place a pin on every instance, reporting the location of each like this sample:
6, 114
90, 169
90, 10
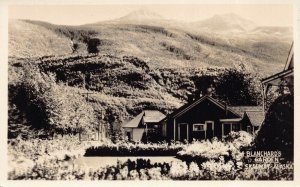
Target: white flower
134, 175
124, 172
155, 173
193, 169
178, 169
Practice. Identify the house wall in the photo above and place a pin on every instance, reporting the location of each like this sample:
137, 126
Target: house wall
204, 111
247, 123
137, 134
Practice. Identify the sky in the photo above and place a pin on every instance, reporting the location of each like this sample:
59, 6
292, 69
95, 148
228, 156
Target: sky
266, 15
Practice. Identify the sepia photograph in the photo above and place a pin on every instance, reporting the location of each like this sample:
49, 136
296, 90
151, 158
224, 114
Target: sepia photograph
150, 92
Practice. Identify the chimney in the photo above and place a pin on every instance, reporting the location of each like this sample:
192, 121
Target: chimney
190, 98
209, 91
198, 94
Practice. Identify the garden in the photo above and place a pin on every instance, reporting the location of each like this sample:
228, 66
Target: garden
199, 160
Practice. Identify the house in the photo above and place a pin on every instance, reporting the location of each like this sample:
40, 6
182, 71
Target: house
205, 118
284, 78
145, 126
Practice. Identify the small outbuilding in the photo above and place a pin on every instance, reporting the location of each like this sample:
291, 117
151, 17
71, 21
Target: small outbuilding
145, 126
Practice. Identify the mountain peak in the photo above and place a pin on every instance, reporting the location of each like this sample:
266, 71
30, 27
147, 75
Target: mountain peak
142, 14
227, 22
231, 17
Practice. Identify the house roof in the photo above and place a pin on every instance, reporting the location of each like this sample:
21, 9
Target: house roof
276, 78
189, 106
242, 109
287, 71
149, 116
231, 120
135, 121
290, 59
153, 116
256, 117
254, 113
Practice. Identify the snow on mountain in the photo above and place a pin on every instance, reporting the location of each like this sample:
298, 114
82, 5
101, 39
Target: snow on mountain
140, 15
225, 23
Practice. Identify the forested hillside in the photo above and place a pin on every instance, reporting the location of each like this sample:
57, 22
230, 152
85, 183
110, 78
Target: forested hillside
71, 94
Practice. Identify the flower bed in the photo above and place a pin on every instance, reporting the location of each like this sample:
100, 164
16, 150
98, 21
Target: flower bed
202, 151
215, 160
25, 154
145, 170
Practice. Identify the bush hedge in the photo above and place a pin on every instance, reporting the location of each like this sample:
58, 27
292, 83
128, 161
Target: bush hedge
133, 150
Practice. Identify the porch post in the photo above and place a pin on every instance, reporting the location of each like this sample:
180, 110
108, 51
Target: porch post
222, 130
213, 129
146, 132
263, 97
187, 132
178, 130
230, 127
174, 125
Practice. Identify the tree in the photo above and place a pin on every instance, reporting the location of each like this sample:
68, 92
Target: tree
52, 107
277, 131
92, 45
236, 87
203, 83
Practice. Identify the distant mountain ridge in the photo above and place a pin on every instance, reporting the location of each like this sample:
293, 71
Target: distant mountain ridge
226, 22
221, 41
220, 23
141, 14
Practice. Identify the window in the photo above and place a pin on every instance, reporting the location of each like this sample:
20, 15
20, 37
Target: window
199, 127
236, 127
249, 129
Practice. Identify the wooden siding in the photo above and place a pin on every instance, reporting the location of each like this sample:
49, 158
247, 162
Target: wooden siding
202, 113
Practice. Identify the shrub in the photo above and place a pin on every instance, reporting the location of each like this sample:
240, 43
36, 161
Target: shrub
178, 170
134, 149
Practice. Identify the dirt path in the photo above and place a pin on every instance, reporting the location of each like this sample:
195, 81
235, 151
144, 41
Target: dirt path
97, 162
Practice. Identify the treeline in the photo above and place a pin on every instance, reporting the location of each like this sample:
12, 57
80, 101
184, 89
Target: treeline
232, 86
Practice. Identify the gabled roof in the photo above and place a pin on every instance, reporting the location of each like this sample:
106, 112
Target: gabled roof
153, 116
148, 116
183, 109
254, 113
256, 117
242, 109
135, 121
